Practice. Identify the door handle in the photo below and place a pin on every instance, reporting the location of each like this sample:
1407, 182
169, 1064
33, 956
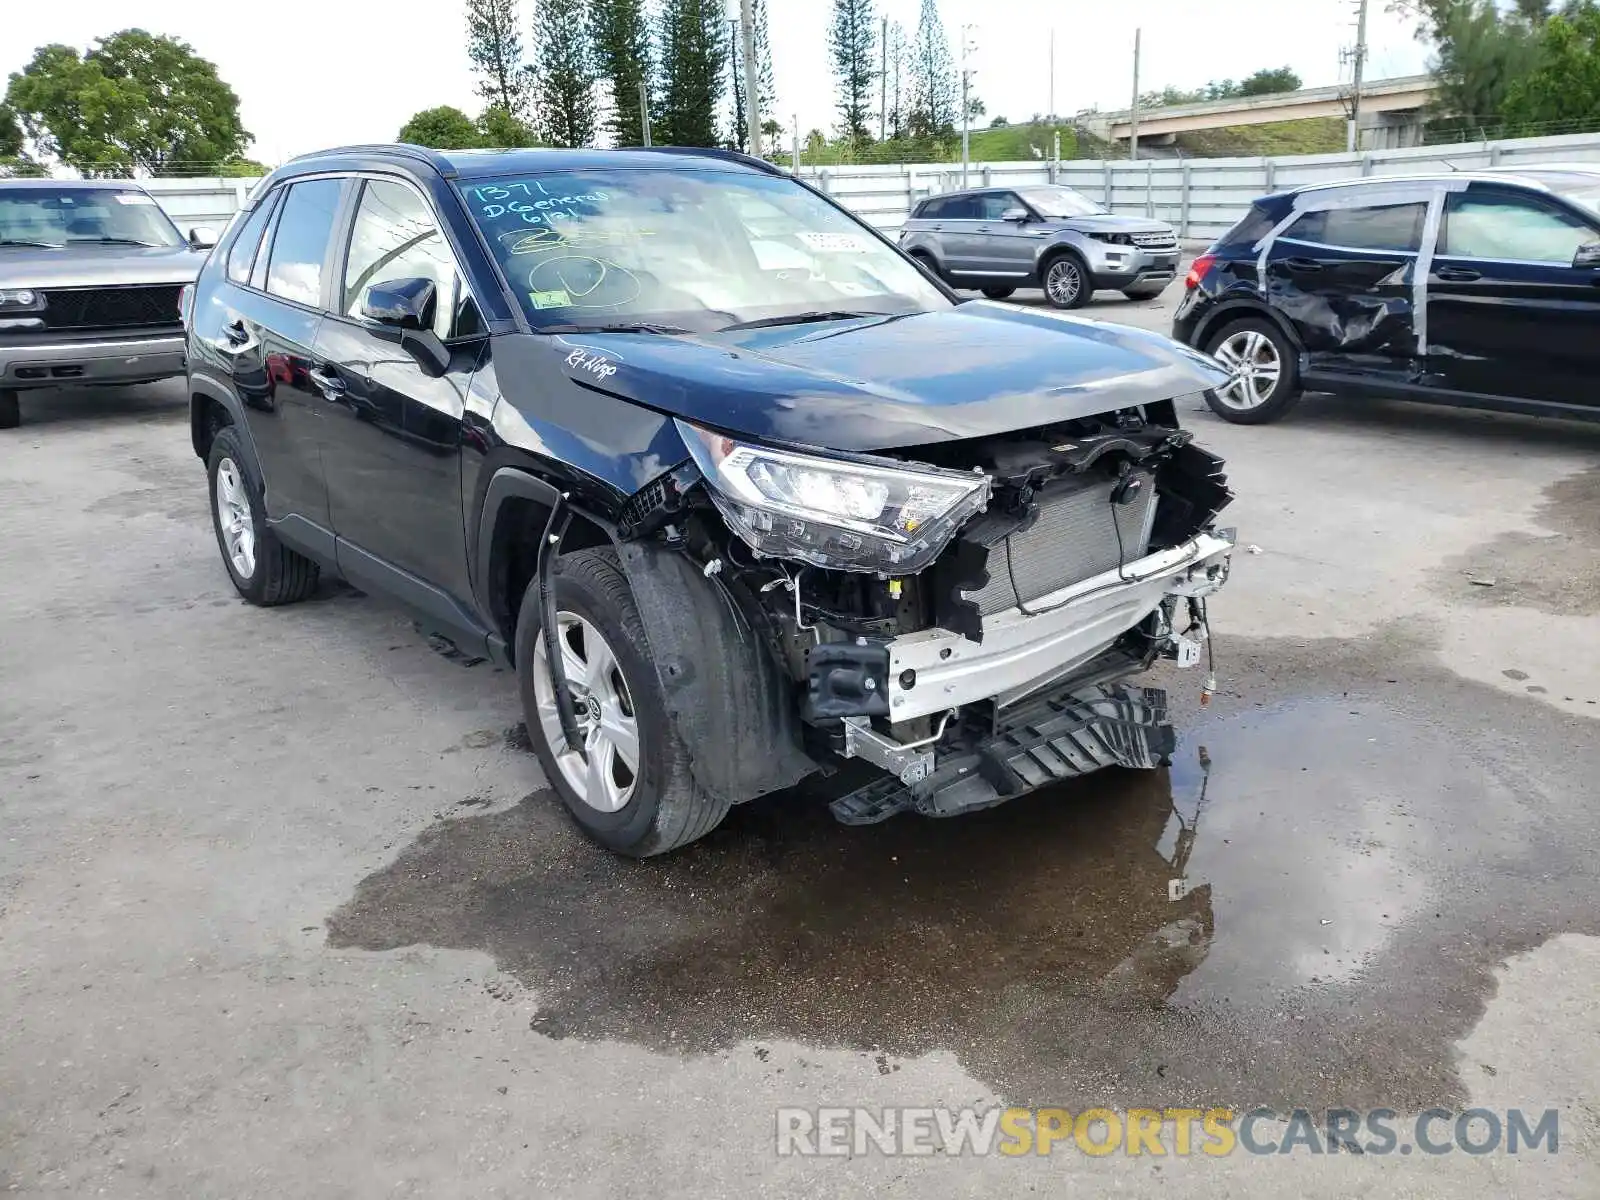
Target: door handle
1458, 274
327, 382
1302, 264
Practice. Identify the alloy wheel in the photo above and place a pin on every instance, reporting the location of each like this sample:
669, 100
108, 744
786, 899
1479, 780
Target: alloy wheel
1063, 282
234, 519
1254, 368
604, 773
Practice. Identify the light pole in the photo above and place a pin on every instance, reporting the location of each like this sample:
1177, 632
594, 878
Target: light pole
752, 84
967, 47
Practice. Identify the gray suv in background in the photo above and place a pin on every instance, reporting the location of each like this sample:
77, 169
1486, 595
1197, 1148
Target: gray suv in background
91, 273
1050, 237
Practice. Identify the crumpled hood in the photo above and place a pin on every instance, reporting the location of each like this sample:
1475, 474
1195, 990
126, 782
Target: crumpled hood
94, 265
1111, 223
971, 371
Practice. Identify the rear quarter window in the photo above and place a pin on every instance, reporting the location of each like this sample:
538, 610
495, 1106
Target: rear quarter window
242, 254
1253, 226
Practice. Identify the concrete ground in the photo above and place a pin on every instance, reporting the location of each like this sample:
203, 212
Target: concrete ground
286, 910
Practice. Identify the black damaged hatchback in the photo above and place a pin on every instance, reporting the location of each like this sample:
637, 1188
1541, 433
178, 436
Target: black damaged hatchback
736, 489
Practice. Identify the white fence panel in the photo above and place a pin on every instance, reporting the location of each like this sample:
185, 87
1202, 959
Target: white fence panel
1200, 197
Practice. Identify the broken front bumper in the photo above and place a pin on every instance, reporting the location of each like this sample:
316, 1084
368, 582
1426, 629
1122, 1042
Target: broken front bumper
1022, 653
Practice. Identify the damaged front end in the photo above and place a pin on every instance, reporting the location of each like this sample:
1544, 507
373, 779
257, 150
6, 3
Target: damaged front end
962, 615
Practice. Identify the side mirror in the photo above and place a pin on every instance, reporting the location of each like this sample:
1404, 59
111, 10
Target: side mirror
1019, 215
202, 237
1588, 255
405, 307
400, 303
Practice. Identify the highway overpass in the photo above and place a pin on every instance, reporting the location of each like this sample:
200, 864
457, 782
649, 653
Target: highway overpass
1392, 102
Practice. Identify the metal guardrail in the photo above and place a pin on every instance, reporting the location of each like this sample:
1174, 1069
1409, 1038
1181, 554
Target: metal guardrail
1200, 197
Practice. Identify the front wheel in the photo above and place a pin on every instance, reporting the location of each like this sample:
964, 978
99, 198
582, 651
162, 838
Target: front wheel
1067, 283
1264, 376
10, 409
1145, 291
627, 784
998, 293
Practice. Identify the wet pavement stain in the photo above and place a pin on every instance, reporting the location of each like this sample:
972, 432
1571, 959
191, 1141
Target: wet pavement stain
1307, 912
1557, 573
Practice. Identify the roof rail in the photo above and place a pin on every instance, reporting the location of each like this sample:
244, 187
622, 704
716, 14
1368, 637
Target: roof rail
433, 158
738, 156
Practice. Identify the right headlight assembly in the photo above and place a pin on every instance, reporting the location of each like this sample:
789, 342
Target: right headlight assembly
879, 517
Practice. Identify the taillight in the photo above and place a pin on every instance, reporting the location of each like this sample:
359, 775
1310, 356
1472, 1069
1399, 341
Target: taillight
1198, 270
185, 303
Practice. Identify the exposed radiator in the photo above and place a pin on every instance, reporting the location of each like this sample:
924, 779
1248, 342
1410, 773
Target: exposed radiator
1075, 537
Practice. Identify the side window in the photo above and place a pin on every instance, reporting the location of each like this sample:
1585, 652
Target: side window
1491, 226
395, 236
1378, 227
300, 242
962, 208
930, 210
995, 205
242, 255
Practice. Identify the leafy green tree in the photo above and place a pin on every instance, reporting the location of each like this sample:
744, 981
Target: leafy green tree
243, 168
10, 133
853, 43
621, 41
443, 128
694, 57
1268, 81
1564, 85
134, 102
497, 127
494, 45
563, 73
935, 103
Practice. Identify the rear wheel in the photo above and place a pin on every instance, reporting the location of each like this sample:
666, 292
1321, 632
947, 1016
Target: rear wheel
10, 409
263, 569
1067, 283
628, 785
998, 293
1264, 381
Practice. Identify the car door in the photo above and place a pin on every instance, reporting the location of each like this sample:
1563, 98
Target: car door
1508, 312
1004, 249
1345, 275
272, 312
958, 234
391, 447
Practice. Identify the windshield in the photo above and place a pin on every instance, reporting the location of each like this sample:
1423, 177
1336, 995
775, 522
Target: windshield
59, 216
698, 250
1061, 202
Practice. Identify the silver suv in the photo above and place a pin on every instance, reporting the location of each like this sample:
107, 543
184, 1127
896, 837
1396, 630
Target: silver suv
1000, 239
91, 274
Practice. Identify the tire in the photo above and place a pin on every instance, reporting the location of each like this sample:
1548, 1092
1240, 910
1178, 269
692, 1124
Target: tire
926, 261
1066, 280
1259, 342
998, 293
654, 805
1147, 291
10, 409
271, 573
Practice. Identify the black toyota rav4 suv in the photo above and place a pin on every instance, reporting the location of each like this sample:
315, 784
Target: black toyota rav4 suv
733, 485
1479, 289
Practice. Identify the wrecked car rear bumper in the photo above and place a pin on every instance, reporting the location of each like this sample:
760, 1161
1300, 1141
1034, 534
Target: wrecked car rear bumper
1022, 653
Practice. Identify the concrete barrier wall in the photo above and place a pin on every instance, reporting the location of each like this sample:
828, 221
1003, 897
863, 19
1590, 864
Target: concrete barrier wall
1200, 197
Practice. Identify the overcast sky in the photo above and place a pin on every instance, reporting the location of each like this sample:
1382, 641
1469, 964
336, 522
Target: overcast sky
314, 73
